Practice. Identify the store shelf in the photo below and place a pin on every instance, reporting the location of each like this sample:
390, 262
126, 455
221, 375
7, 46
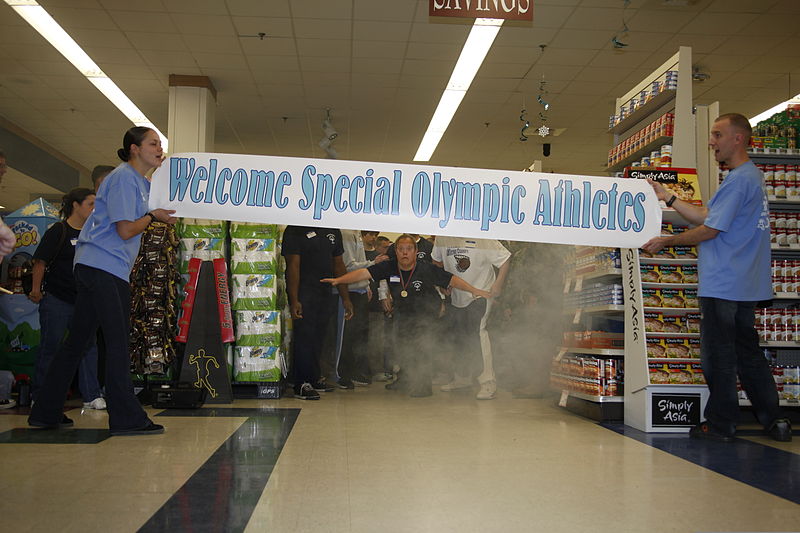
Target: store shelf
786, 296
783, 201
783, 403
681, 385
785, 248
673, 360
670, 335
651, 285
666, 261
650, 107
672, 310
597, 399
609, 352
608, 308
638, 154
779, 344
795, 155
601, 274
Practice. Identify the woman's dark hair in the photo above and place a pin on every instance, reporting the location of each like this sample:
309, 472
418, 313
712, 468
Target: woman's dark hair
75, 195
135, 135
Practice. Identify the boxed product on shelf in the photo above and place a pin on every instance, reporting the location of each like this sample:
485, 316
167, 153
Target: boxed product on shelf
675, 373
663, 323
673, 347
588, 375
254, 256
674, 252
692, 322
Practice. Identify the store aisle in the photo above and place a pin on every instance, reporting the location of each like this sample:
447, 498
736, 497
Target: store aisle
372, 460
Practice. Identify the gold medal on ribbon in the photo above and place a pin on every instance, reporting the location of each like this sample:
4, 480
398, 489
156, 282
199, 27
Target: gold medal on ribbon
404, 293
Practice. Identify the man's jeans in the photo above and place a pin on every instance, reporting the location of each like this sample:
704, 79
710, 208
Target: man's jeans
54, 317
729, 346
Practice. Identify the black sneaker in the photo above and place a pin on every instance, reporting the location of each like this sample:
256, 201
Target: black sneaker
345, 383
65, 423
361, 380
781, 430
149, 429
704, 430
306, 392
322, 385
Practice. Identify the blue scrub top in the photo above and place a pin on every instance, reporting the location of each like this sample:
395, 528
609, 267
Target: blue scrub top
735, 265
123, 195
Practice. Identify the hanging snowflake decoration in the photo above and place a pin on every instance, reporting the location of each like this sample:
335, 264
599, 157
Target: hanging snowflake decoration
543, 131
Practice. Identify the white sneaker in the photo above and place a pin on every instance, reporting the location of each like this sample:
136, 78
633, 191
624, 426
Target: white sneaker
457, 384
488, 391
97, 403
8, 404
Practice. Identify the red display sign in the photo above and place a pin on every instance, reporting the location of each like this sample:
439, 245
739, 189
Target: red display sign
223, 300
485, 9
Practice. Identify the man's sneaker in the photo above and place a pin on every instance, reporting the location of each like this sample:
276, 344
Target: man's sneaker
306, 392
345, 383
322, 385
66, 422
98, 403
704, 430
488, 391
361, 381
781, 430
149, 429
458, 383
8, 404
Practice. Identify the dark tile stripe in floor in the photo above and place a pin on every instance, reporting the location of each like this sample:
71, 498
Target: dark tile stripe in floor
764, 467
223, 493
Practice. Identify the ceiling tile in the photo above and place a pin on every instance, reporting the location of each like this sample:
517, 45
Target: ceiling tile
156, 41
377, 65
209, 25
379, 49
322, 29
203, 7
273, 27
275, 46
384, 10
325, 64
594, 18
137, 20
332, 9
381, 31
323, 47
259, 8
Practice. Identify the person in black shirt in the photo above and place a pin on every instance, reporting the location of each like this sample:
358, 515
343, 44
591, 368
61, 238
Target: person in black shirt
52, 264
311, 254
412, 283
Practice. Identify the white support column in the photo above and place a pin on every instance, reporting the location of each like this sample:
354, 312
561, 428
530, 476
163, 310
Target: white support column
192, 112
684, 141
706, 164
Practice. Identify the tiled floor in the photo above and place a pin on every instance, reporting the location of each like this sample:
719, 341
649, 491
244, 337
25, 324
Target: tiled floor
373, 460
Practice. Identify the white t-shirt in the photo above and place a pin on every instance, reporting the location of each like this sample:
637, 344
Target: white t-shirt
471, 260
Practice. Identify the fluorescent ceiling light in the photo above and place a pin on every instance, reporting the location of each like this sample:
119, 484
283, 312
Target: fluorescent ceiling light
772, 110
476, 47
41, 21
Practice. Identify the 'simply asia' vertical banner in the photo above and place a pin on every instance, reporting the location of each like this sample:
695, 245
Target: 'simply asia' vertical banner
423, 199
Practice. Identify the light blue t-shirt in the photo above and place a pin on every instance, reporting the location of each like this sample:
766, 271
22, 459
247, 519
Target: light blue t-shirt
735, 265
122, 196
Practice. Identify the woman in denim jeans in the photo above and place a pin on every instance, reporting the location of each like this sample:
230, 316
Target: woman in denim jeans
52, 264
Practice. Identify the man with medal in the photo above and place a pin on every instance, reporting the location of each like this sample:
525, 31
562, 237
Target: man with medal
416, 305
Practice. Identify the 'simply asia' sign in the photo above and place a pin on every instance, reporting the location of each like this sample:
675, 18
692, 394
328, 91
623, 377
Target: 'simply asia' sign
424, 199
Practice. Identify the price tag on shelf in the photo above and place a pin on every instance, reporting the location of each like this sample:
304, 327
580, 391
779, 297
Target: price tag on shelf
577, 318
562, 402
561, 354
578, 283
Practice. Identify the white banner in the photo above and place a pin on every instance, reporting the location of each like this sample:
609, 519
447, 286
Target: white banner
424, 199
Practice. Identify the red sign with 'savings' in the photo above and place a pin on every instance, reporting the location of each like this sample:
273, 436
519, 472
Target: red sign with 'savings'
487, 9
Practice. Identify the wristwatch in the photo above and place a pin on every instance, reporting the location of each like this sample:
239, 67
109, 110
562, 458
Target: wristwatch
152, 217
669, 202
